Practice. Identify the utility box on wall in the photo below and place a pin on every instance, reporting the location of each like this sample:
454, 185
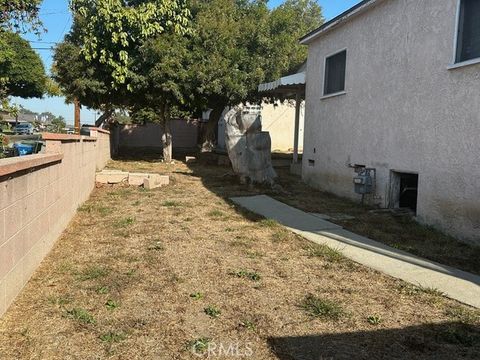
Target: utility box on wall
364, 181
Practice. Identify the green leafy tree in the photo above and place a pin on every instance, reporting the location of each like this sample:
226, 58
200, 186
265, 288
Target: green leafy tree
57, 124
287, 23
109, 32
94, 63
239, 44
20, 15
228, 43
164, 70
160, 83
21, 70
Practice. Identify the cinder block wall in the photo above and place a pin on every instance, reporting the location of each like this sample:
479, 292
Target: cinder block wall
149, 136
39, 194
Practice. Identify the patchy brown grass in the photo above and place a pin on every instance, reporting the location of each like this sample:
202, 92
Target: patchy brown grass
152, 274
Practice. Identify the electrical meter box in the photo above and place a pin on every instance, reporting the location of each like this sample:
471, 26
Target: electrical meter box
363, 182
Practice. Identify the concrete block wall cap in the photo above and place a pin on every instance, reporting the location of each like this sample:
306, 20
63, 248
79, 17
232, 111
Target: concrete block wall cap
12, 165
66, 137
101, 130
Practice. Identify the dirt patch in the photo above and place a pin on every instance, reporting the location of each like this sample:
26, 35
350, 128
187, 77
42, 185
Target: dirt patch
165, 273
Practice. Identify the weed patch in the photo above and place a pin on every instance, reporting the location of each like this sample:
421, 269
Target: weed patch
112, 337
464, 315
321, 308
103, 290
215, 214
212, 311
251, 275
111, 304
196, 296
268, 223
93, 272
199, 345
374, 320
171, 203
324, 251
247, 324
124, 222
81, 315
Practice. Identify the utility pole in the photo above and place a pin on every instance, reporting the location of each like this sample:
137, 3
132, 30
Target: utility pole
77, 116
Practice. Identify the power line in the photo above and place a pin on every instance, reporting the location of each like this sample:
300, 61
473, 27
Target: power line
64, 28
42, 42
54, 13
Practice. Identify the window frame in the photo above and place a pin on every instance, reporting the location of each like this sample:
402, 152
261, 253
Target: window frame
456, 45
341, 92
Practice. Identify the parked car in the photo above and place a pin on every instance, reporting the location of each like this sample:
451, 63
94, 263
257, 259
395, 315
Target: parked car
24, 129
85, 129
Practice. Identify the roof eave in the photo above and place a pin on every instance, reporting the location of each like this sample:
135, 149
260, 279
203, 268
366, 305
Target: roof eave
358, 9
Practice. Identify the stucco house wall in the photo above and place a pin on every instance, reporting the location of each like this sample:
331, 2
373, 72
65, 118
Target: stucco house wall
403, 109
279, 121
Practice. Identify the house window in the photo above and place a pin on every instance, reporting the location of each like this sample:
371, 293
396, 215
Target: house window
468, 37
335, 73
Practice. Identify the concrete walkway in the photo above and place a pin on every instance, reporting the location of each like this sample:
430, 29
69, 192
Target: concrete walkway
454, 283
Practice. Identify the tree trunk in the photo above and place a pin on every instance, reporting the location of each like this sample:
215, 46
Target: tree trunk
167, 135
103, 118
208, 142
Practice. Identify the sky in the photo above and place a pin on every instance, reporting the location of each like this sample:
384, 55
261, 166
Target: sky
57, 20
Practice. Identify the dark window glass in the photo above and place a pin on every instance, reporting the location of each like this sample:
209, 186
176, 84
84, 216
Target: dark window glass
469, 31
335, 73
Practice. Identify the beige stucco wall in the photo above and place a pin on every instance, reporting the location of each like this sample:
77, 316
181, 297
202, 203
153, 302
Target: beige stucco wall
403, 110
279, 121
37, 203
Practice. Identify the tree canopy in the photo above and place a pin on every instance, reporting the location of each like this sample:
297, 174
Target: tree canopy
146, 56
20, 15
109, 32
21, 70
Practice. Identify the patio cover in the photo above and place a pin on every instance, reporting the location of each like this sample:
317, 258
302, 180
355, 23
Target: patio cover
288, 86
285, 85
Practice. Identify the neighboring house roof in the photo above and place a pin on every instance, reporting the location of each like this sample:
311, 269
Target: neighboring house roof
358, 9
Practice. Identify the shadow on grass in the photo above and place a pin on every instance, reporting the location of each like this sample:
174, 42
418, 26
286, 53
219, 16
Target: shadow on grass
399, 232
152, 156
432, 341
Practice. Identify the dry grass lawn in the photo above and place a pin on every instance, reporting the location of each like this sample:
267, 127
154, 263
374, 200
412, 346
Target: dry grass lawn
154, 274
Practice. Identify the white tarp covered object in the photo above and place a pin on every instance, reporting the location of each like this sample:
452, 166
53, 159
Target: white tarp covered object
248, 147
